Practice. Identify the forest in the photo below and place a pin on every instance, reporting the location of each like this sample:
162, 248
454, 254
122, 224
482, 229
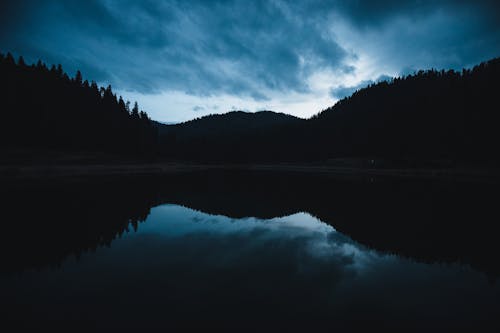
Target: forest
45, 112
432, 115
429, 118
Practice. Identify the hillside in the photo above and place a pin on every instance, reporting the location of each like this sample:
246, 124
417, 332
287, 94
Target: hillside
215, 137
430, 115
430, 118
45, 111
231, 123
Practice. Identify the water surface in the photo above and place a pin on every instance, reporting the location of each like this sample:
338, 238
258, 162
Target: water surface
250, 251
185, 268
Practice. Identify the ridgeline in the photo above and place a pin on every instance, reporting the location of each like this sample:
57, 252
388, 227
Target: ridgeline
427, 119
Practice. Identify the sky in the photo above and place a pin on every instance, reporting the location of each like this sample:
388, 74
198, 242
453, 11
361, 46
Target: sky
184, 59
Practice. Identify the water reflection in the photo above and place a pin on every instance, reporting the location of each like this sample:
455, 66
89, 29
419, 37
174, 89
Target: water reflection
257, 252
430, 221
185, 268
45, 222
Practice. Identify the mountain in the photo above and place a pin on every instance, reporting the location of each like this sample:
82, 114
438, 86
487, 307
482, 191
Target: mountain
430, 118
231, 135
430, 115
44, 112
231, 123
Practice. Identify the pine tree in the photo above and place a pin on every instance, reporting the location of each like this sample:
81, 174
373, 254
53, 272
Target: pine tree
10, 59
21, 62
59, 70
135, 111
78, 78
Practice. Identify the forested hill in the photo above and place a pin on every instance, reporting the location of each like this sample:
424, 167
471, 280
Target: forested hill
444, 117
234, 122
427, 118
218, 130
43, 109
439, 115
232, 136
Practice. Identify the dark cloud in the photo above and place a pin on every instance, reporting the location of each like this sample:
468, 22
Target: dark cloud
244, 48
199, 47
423, 34
366, 13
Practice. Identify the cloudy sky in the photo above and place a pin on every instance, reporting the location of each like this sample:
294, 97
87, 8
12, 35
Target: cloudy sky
187, 58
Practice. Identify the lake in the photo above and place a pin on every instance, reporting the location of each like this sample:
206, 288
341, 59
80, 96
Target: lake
249, 252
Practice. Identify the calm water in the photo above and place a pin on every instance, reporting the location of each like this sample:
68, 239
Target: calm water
182, 267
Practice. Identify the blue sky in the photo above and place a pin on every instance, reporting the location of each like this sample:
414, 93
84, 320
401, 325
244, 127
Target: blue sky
185, 59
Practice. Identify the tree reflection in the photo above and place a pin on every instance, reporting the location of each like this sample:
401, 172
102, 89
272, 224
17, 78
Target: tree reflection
45, 222
425, 220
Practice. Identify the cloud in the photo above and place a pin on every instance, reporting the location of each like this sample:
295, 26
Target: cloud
420, 34
253, 51
176, 106
370, 14
199, 47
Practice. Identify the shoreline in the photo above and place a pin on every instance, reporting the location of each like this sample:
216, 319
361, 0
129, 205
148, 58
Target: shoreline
33, 172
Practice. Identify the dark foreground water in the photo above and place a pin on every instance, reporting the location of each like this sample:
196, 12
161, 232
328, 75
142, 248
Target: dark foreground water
169, 266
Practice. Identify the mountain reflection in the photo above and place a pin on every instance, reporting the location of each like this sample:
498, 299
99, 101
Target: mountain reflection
187, 269
426, 220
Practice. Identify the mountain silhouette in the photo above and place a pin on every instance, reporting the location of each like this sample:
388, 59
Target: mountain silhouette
429, 118
228, 124
429, 115
233, 134
426, 119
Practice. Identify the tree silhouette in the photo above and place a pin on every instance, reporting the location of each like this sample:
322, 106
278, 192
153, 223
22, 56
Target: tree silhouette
135, 111
21, 62
44, 110
78, 78
429, 118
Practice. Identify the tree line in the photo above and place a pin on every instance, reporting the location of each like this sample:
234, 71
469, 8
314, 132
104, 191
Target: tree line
43, 109
429, 115
429, 118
